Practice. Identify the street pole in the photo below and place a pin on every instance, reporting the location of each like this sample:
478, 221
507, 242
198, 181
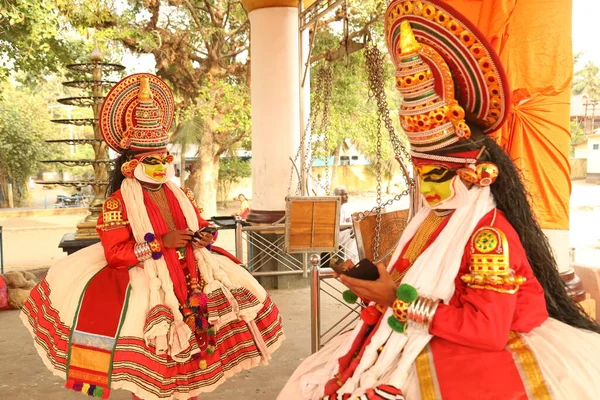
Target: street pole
11, 203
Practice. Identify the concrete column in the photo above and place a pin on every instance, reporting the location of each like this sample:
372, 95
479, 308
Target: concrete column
275, 95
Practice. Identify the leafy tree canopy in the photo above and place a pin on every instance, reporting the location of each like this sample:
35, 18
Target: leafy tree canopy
35, 40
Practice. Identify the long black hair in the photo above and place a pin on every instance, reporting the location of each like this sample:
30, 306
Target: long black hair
116, 177
513, 200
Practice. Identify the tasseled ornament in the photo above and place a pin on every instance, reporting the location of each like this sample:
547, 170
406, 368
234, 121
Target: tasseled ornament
349, 296
194, 299
370, 315
210, 350
396, 325
203, 364
406, 293
91, 389
201, 323
203, 302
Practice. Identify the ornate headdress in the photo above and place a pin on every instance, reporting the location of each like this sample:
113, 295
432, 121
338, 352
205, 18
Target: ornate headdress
447, 74
137, 114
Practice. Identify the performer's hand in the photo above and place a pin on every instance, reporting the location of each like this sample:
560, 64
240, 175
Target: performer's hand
206, 239
382, 291
343, 266
177, 239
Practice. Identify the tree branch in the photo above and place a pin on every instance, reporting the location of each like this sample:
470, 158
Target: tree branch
351, 47
237, 30
226, 19
193, 13
203, 52
236, 52
210, 11
153, 9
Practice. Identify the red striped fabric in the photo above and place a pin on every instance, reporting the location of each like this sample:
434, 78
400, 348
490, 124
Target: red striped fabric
136, 363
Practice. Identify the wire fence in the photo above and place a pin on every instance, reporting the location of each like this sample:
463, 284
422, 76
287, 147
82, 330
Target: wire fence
259, 247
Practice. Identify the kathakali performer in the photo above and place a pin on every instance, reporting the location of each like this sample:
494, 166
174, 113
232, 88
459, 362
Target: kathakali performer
151, 309
471, 305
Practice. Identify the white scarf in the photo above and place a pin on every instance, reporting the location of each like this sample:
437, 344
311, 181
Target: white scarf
432, 274
167, 338
174, 339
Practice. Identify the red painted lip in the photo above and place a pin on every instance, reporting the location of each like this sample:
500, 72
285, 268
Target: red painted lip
433, 198
159, 174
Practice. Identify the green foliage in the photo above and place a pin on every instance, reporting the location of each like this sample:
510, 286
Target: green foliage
24, 125
231, 170
192, 41
353, 113
219, 116
33, 39
587, 80
198, 47
223, 107
577, 134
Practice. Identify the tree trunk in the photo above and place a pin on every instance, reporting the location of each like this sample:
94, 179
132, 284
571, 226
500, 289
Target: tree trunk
206, 174
334, 167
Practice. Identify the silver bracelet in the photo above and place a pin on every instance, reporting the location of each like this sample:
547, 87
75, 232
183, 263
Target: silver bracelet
420, 313
142, 251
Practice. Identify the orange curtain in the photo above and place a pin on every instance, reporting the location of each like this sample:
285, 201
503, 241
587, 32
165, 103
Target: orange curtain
533, 40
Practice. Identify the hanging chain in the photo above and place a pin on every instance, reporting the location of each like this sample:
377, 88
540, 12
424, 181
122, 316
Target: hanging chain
374, 60
378, 169
319, 105
328, 78
323, 94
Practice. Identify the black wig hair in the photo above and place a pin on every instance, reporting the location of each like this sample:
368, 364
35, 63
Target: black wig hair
513, 200
116, 177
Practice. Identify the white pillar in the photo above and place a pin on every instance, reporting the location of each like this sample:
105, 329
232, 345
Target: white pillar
305, 115
275, 104
559, 242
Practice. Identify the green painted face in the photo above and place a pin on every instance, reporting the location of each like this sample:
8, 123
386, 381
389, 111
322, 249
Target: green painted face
155, 167
435, 183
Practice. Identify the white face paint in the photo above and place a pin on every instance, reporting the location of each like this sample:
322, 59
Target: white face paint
459, 197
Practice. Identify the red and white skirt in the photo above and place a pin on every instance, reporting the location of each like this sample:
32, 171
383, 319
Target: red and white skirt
246, 338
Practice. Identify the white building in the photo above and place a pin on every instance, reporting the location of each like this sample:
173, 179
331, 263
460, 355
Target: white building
589, 149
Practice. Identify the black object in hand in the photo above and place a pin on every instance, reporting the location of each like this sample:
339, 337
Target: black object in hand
364, 270
208, 229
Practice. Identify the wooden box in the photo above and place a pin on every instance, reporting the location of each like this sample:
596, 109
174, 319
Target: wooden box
312, 224
392, 226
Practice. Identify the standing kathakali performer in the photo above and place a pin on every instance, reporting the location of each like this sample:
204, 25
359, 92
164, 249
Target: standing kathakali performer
471, 305
151, 309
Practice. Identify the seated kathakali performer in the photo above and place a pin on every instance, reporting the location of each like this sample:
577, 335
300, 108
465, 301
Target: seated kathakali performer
150, 309
471, 305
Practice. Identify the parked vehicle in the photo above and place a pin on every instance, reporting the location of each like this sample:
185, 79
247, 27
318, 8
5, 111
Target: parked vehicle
76, 200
